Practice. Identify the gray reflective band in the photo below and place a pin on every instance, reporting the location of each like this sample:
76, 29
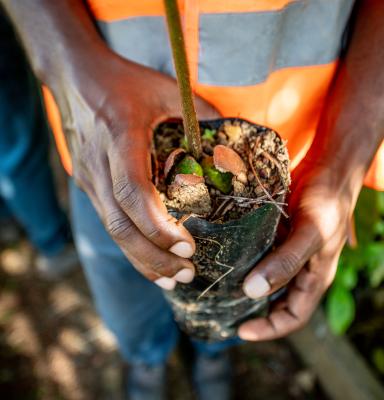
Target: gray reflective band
243, 49
239, 49
143, 40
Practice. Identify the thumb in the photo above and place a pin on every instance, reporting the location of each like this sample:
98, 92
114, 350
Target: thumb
278, 268
140, 201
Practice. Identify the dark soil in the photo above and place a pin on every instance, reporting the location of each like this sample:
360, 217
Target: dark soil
230, 201
262, 151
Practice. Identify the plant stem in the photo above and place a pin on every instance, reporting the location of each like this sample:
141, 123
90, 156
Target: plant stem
191, 125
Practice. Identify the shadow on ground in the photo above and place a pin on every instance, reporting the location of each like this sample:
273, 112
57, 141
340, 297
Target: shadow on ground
53, 346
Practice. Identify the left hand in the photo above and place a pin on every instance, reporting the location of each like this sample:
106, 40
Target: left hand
320, 208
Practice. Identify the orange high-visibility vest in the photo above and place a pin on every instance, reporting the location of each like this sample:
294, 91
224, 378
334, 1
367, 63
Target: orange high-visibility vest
268, 61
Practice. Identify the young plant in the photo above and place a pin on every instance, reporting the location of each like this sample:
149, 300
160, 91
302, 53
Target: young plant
191, 125
222, 180
224, 205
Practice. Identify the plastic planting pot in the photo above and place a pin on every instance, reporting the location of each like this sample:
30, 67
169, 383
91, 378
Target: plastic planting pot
213, 305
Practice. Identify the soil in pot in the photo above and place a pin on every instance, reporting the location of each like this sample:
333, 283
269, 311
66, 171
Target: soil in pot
231, 201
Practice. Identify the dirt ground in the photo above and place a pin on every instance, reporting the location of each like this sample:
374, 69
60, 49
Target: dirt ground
54, 347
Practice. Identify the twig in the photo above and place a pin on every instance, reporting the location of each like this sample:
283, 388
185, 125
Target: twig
205, 291
271, 159
240, 198
227, 208
261, 185
245, 204
221, 206
230, 268
185, 218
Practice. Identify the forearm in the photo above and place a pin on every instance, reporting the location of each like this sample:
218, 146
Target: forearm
58, 36
352, 125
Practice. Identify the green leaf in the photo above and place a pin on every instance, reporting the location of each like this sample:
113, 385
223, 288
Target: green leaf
378, 228
346, 276
188, 165
353, 258
340, 309
380, 202
378, 359
366, 214
209, 134
220, 180
374, 253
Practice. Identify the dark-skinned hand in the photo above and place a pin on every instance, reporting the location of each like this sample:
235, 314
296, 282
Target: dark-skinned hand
306, 261
108, 116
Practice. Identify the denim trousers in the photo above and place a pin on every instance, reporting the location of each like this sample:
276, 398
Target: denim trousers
27, 190
132, 307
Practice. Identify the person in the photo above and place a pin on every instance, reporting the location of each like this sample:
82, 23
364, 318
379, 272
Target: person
109, 80
27, 192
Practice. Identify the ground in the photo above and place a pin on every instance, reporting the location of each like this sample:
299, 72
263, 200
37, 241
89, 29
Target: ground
54, 347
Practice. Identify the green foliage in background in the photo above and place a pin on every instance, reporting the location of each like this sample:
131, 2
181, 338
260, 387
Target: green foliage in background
366, 262
378, 359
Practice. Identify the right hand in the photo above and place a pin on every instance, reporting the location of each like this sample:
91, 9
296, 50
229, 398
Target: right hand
108, 114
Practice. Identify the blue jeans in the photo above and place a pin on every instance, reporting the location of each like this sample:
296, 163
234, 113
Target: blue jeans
132, 307
26, 184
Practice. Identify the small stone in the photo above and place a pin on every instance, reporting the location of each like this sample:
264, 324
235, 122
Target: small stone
233, 132
191, 199
238, 187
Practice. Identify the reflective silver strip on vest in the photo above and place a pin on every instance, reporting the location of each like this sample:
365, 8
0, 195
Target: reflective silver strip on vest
141, 39
243, 49
240, 49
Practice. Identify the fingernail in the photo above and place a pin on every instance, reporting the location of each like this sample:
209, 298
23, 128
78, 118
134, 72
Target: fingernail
166, 283
246, 334
257, 286
184, 276
182, 249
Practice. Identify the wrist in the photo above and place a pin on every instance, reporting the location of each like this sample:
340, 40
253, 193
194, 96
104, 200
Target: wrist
347, 140
75, 67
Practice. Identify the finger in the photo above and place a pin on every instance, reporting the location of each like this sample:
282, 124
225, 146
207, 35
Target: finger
138, 198
282, 320
278, 268
154, 263
301, 301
